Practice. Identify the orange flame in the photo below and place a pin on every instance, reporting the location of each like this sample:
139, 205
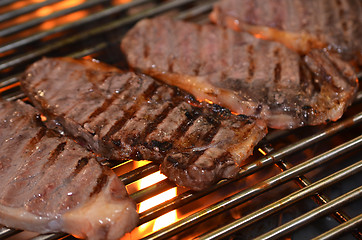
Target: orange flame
167, 218
161, 221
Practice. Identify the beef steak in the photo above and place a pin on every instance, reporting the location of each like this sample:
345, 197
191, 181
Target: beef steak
51, 184
299, 24
249, 76
125, 115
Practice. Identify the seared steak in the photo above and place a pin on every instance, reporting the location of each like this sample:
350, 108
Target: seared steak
50, 184
124, 115
299, 24
249, 76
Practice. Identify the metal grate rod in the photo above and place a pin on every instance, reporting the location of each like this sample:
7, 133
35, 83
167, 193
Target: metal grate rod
24, 10
152, 190
139, 173
340, 229
20, 27
313, 215
6, 2
92, 18
320, 199
90, 33
8, 232
51, 236
283, 203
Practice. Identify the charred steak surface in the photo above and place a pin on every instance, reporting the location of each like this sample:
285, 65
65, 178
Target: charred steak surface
299, 24
51, 184
247, 75
124, 115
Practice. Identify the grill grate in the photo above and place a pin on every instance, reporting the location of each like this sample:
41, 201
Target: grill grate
263, 201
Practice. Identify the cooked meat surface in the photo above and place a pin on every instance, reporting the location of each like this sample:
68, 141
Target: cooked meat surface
51, 184
124, 115
247, 75
299, 24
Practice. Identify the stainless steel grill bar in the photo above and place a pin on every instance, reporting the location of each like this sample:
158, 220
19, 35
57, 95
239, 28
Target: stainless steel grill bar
313, 214
257, 189
89, 19
206, 7
284, 202
341, 229
319, 198
15, 96
7, 232
139, 173
20, 11
6, 2
84, 35
100, 46
8, 81
152, 190
37, 21
51, 236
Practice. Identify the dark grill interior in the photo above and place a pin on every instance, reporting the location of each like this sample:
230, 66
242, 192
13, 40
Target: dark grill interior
299, 184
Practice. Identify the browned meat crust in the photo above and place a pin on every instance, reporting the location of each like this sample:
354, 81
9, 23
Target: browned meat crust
124, 115
51, 184
298, 24
247, 75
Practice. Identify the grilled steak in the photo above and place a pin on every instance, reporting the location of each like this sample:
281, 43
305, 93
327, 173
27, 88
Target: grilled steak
51, 184
249, 76
124, 115
299, 24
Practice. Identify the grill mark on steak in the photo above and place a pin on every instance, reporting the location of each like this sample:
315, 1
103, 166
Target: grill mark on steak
151, 126
198, 48
206, 139
277, 67
80, 165
43, 188
129, 113
146, 51
181, 117
191, 116
251, 67
106, 103
32, 143
341, 16
261, 81
148, 120
159, 118
54, 155
54, 188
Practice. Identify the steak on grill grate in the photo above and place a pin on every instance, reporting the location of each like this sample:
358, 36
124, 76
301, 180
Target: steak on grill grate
124, 115
298, 24
51, 184
249, 76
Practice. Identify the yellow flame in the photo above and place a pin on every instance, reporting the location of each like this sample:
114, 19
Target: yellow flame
165, 219
262, 151
146, 182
